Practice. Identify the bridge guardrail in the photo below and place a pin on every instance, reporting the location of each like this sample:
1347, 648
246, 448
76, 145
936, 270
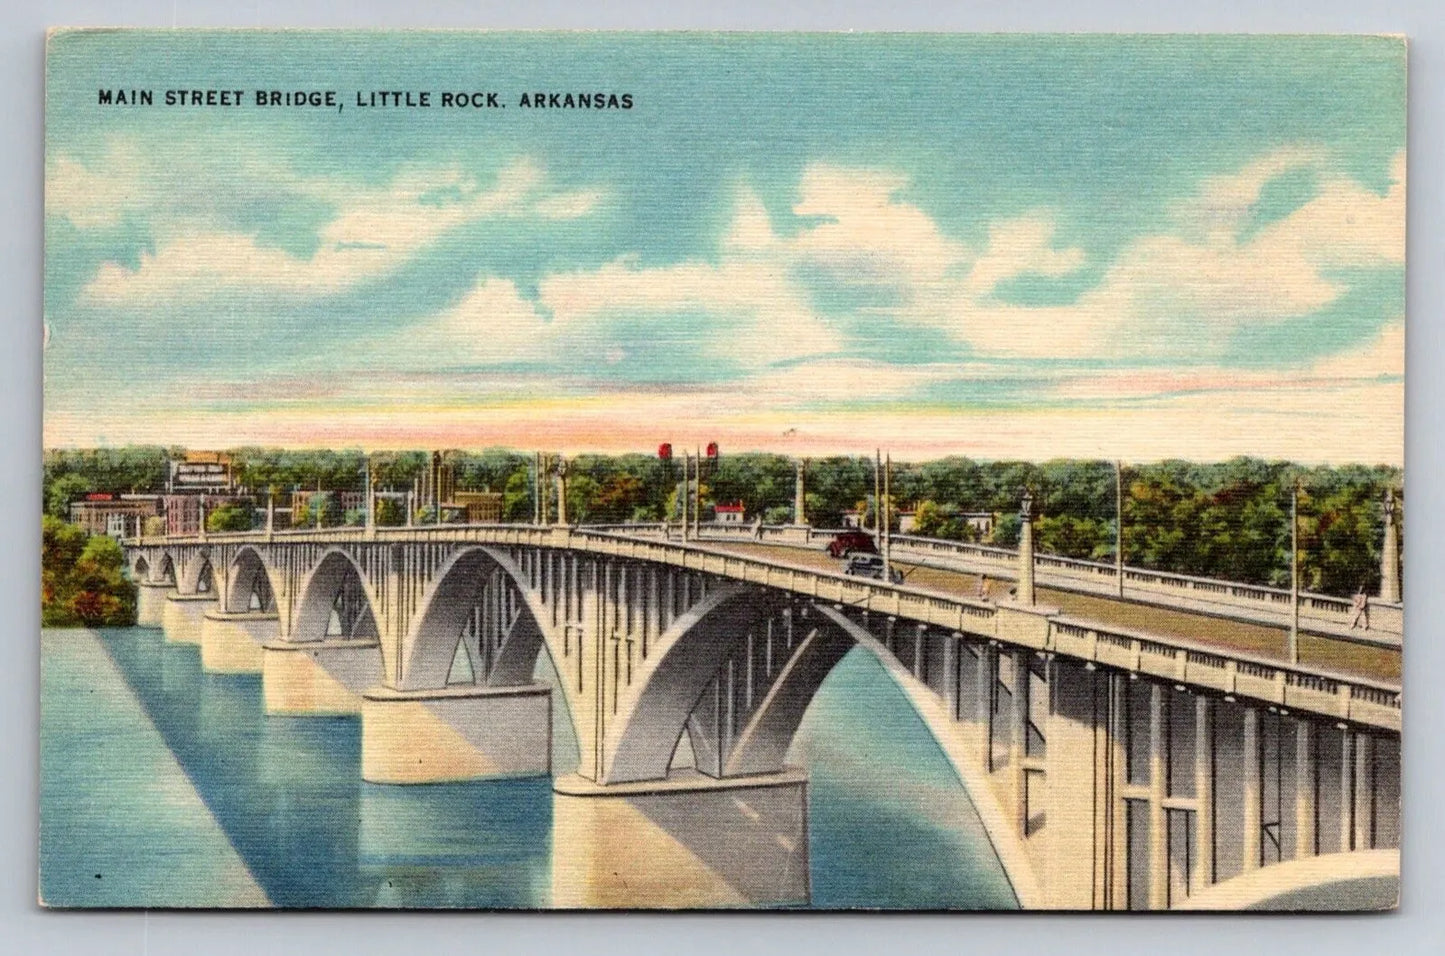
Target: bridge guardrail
1333, 613
1347, 697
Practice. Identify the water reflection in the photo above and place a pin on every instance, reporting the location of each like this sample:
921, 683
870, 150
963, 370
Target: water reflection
889, 825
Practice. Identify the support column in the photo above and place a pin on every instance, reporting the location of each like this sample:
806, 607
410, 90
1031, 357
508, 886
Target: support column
1364, 792
1017, 744
1347, 791
1204, 793
455, 733
1251, 822
1158, 819
1076, 767
950, 670
1304, 790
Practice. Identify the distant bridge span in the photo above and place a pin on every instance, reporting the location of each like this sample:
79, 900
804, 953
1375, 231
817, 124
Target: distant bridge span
1112, 767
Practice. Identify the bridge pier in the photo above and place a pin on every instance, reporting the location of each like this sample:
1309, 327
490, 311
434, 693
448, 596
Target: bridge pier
317, 678
232, 642
462, 732
151, 602
182, 616
687, 841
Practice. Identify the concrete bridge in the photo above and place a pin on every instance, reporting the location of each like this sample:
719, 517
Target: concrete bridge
1111, 767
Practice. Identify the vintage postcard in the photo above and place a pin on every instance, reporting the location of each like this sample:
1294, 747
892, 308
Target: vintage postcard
573, 470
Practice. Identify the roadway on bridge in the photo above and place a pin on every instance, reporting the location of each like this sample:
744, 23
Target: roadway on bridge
1381, 663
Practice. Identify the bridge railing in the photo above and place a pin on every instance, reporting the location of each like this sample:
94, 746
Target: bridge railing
1318, 690
1351, 697
1095, 576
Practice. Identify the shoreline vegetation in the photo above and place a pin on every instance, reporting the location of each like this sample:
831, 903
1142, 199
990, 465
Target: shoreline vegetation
1227, 520
83, 580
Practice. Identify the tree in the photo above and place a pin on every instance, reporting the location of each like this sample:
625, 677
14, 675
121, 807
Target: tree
82, 579
62, 491
231, 516
1072, 537
390, 512
517, 497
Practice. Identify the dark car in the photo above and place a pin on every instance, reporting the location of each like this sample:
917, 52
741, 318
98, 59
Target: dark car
852, 542
870, 566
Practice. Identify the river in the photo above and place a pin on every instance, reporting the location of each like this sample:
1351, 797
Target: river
162, 785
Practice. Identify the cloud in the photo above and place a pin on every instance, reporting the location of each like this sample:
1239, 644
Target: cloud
203, 248
1172, 297
1021, 246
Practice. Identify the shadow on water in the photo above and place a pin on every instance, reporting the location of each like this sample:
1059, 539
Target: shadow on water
288, 794
890, 825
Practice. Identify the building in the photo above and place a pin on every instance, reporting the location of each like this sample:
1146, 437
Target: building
183, 511
201, 472
349, 500
729, 513
482, 507
120, 516
980, 521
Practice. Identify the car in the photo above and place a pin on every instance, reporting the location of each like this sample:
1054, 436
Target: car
870, 566
851, 542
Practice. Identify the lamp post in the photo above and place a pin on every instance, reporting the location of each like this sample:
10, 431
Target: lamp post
1390, 553
1294, 573
1026, 549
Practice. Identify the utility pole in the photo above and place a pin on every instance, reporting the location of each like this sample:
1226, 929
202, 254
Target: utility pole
887, 518
1119, 525
877, 493
697, 496
1294, 573
370, 501
683, 494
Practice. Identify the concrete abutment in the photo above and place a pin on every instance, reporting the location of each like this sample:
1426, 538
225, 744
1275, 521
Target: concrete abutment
687, 841
232, 643
182, 616
317, 678
463, 732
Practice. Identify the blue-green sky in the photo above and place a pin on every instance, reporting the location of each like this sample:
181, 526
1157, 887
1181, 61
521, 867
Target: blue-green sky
992, 245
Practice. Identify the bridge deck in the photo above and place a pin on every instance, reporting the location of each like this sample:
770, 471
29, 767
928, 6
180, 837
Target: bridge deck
1262, 640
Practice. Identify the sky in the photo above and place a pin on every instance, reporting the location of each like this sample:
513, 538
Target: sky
997, 246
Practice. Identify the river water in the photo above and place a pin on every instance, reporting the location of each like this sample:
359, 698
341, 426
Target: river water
162, 785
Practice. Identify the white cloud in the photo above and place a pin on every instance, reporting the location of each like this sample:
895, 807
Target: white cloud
201, 252
1021, 246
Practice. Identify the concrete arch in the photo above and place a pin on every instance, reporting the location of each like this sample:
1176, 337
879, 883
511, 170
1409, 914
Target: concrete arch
1002, 832
197, 576
1355, 880
319, 594
762, 744
646, 727
432, 639
165, 572
250, 575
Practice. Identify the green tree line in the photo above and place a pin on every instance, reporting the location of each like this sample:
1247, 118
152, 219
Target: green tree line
1227, 519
